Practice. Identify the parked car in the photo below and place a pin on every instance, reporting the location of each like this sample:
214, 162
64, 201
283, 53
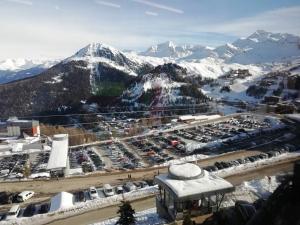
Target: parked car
80, 196
25, 195
13, 212
93, 193
108, 190
144, 184
6, 198
2, 216
44, 208
129, 186
119, 190
29, 211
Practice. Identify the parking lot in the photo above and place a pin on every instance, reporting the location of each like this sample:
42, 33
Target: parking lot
210, 139
104, 191
12, 167
121, 157
85, 160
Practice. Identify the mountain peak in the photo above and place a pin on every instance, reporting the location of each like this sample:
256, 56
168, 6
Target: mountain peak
169, 44
96, 50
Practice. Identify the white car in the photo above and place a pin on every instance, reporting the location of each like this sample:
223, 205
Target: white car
13, 212
25, 195
93, 193
129, 186
119, 190
108, 190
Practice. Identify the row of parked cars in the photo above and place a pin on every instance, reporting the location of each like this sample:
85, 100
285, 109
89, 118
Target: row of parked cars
107, 190
277, 151
121, 157
80, 196
13, 166
40, 163
98, 163
8, 198
153, 153
16, 211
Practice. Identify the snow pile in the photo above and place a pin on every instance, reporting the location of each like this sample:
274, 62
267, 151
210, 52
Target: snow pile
146, 217
251, 191
39, 175
190, 158
263, 188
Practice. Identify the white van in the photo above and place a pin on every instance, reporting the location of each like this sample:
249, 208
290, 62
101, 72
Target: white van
13, 212
25, 195
93, 193
108, 190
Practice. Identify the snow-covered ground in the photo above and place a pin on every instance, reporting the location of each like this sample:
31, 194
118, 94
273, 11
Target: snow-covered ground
146, 217
251, 191
248, 191
190, 158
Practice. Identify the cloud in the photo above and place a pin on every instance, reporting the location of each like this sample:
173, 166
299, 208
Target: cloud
24, 2
278, 20
57, 7
149, 13
109, 4
159, 6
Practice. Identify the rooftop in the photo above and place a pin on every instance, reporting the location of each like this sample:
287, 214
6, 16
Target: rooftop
59, 153
188, 180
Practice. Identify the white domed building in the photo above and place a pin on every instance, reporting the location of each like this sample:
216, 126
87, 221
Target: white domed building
188, 188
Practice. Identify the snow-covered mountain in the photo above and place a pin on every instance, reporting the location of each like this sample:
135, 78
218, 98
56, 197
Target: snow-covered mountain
260, 47
165, 74
169, 49
164, 85
15, 69
266, 47
24, 64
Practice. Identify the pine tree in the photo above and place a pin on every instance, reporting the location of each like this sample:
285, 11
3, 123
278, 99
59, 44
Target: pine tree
187, 220
126, 213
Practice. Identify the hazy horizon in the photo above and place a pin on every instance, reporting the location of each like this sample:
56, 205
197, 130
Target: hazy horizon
58, 28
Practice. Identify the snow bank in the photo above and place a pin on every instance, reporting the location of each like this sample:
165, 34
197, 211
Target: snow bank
190, 158
251, 191
146, 217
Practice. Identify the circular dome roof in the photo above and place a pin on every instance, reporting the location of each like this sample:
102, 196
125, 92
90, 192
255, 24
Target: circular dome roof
186, 171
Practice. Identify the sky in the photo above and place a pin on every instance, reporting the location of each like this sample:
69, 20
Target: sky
58, 28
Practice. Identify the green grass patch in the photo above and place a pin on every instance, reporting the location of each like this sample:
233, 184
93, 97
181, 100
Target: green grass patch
112, 89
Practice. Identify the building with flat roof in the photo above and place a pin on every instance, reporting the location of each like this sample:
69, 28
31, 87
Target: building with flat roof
186, 188
58, 160
15, 127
